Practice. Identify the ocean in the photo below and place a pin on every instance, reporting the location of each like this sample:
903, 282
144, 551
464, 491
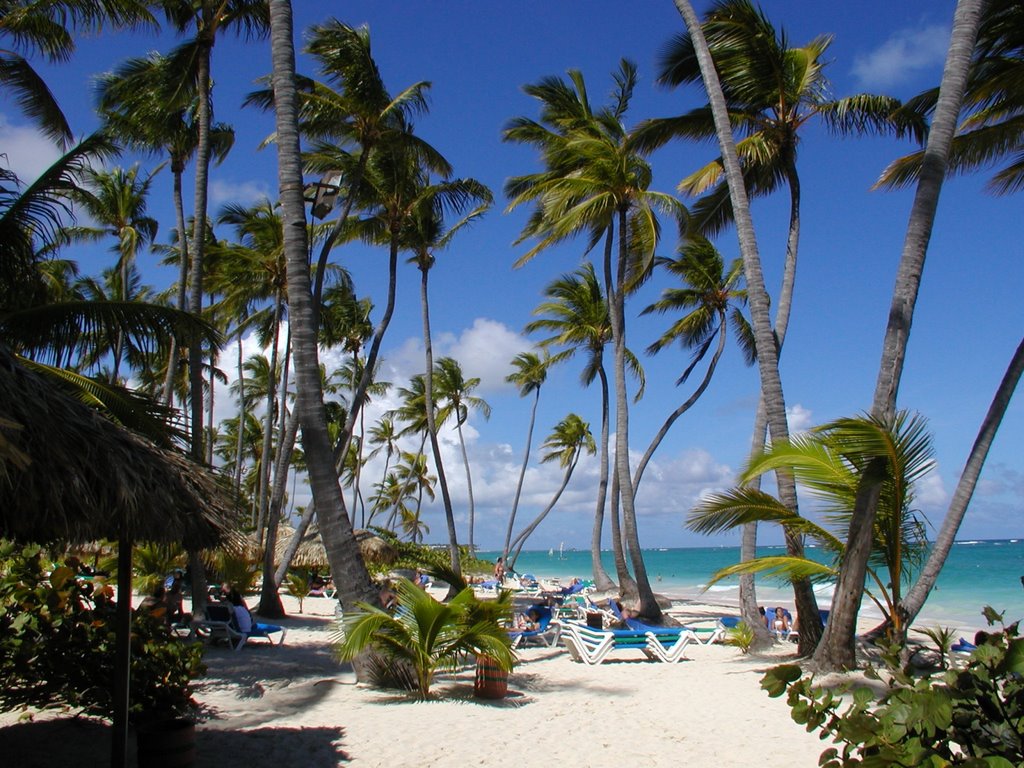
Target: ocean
976, 574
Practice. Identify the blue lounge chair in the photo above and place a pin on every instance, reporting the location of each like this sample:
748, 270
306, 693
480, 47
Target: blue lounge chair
547, 632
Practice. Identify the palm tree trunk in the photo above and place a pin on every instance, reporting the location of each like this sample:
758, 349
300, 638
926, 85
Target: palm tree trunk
469, 485
627, 585
242, 409
602, 581
764, 337
293, 543
648, 605
347, 567
837, 649
911, 604
522, 475
268, 426
435, 446
179, 215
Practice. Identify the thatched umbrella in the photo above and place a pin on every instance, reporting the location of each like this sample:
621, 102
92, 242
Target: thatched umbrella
311, 552
68, 474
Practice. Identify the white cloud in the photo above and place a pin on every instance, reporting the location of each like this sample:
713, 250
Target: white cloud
900, 58
484, 350
26, 151
799, 418
242, 192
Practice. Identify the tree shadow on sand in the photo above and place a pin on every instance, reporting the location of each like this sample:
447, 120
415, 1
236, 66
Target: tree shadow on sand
83, 741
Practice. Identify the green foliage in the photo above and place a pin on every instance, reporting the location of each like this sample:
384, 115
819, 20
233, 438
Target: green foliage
57, 644
413, 555
298, 585
970, 717
943, 639
237, 572
427, 636
741, 636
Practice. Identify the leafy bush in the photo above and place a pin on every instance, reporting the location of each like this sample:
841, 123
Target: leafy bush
57, 644
972, 716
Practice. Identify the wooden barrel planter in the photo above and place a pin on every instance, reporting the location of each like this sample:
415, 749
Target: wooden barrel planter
491, 680
167, 744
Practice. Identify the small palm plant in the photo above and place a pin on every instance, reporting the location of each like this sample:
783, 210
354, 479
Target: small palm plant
943, 639
298, 585
427, 636
741, 636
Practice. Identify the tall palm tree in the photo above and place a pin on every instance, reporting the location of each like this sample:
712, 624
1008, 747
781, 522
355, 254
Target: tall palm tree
595, 183
566, 443
764, 336
531, 371
426, 234
414, 474
455, 390
710, 293
343, 553
205, 20
384, 437
836, 650
149, 105
576, 314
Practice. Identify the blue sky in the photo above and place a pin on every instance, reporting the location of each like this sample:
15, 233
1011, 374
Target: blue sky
477, 57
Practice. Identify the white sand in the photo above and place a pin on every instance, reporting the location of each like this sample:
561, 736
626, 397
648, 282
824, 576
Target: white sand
293, 706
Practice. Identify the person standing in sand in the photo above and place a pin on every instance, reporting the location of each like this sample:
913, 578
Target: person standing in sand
499, 571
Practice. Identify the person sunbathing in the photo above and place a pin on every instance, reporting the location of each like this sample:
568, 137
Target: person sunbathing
780, 624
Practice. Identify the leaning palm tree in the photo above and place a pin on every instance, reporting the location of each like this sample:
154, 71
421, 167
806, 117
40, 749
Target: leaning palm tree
710, 298
454, 389
531, 370
831, 462
346, 561
991, 128
569, 439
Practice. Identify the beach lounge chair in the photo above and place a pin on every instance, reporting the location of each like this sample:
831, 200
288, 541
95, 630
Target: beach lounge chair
219, 624
546, 634
593, 646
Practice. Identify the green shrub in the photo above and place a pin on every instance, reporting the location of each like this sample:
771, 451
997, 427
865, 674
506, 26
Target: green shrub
972, 716
57, 644
741, 636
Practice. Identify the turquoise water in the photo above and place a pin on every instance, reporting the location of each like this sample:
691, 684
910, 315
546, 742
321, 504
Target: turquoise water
977, 573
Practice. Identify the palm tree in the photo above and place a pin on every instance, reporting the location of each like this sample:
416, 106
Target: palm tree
116, 201
576, 314
455, 390
765, 340
414, 474
596, 183
205, 20
346, 561
710, 292
384, 436
831, 462
147, 104
49, 28
427, 234
771, 92
566, 443
836, 650
531, 370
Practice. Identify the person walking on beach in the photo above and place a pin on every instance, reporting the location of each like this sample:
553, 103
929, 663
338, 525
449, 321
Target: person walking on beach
499, 571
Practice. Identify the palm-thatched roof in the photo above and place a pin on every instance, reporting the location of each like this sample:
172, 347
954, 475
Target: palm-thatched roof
69, 474
311, 552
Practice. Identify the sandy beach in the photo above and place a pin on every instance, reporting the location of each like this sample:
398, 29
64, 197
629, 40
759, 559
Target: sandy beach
293, 706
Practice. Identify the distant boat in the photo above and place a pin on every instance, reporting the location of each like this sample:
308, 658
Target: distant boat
551, 552
561, 551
